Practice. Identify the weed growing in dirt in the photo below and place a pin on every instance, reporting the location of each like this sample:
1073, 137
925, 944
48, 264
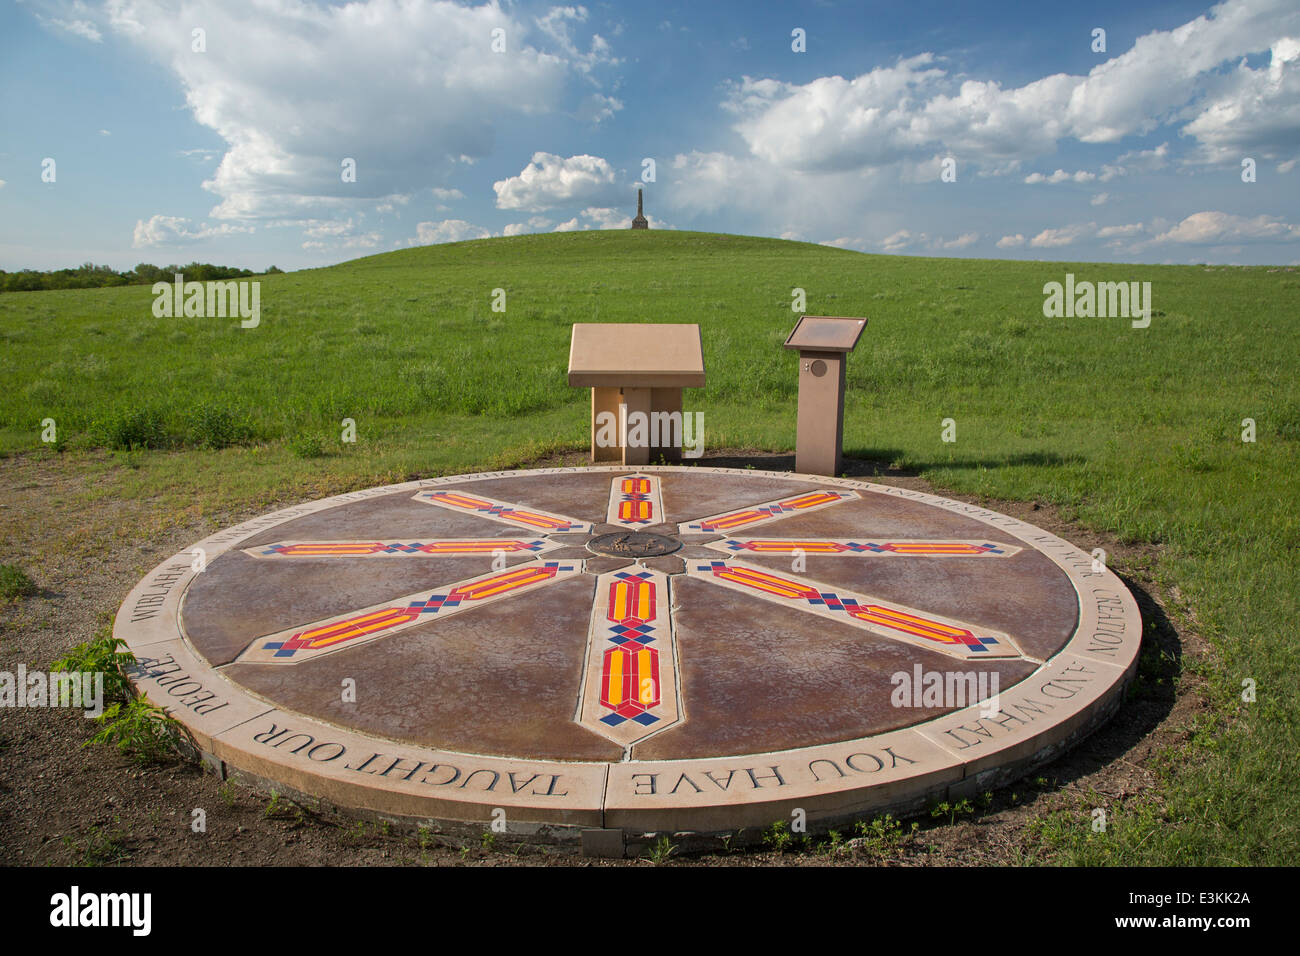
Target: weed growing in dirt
104, 654
14, 583
660, 850
139, 729
777, 836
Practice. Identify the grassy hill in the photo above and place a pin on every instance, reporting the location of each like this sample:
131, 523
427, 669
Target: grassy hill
1137, 432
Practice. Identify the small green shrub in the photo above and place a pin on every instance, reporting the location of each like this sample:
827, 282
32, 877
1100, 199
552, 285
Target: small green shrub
307, 445
104, 654
131, 428
777, 836
14, 583
139, 729
215, 426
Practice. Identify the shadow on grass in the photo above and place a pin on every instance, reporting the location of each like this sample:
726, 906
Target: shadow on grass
879, 462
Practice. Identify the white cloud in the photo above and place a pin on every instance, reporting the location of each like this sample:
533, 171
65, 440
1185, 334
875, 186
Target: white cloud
610, 218
1061, 176
893, 112
1011, 242
82, 28
179, 231
555, 23
1136, 161
1210, 228
1067, 235
598, 107
291, 108
603, 217
447, 194
1099, 199
390, 203
899, 240
961, 242
1115, 232
1253, 112
549, 181
448, 230
336, 234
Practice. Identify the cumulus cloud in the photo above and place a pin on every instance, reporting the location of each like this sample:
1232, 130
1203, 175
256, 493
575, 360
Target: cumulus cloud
179, 231
290, 110
1210, 228
894, 112
1123, 231
1011, 242
905, 238
549, 181
1253, 111
1066, 235
961, 242
337, 234
448, 230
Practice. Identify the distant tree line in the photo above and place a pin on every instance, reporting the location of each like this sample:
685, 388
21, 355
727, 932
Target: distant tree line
91, 276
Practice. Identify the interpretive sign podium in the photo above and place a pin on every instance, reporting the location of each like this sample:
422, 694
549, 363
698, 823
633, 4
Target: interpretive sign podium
636, 373
823, 343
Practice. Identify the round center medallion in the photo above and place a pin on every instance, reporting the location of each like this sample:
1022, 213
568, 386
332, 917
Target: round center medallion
633, 544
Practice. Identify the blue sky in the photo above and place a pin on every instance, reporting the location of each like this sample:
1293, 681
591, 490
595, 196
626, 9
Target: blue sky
234, 153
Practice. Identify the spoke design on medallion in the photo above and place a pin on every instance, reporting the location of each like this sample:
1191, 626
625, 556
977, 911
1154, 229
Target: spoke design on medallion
630, 678
353, 628
386, 549
919, 628
913, 547
502, 511
635, 501
771, 511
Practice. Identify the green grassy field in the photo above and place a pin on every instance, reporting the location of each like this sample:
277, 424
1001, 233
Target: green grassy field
1137, 432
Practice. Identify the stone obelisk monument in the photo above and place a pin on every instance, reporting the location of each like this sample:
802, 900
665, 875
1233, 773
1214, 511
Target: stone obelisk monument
640, 221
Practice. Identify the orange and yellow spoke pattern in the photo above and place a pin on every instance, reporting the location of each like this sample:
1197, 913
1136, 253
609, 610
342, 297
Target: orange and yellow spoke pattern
631, 687
914, 548
359, 627
383, 549
968, 641
770, 511
502, 511
635, 502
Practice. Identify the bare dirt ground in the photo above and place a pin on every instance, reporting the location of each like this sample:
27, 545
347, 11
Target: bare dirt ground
64, 803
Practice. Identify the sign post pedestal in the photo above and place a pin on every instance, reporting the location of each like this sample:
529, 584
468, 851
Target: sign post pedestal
823, 343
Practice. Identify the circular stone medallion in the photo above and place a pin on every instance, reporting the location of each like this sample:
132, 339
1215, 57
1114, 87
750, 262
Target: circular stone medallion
441, 651
633, 544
